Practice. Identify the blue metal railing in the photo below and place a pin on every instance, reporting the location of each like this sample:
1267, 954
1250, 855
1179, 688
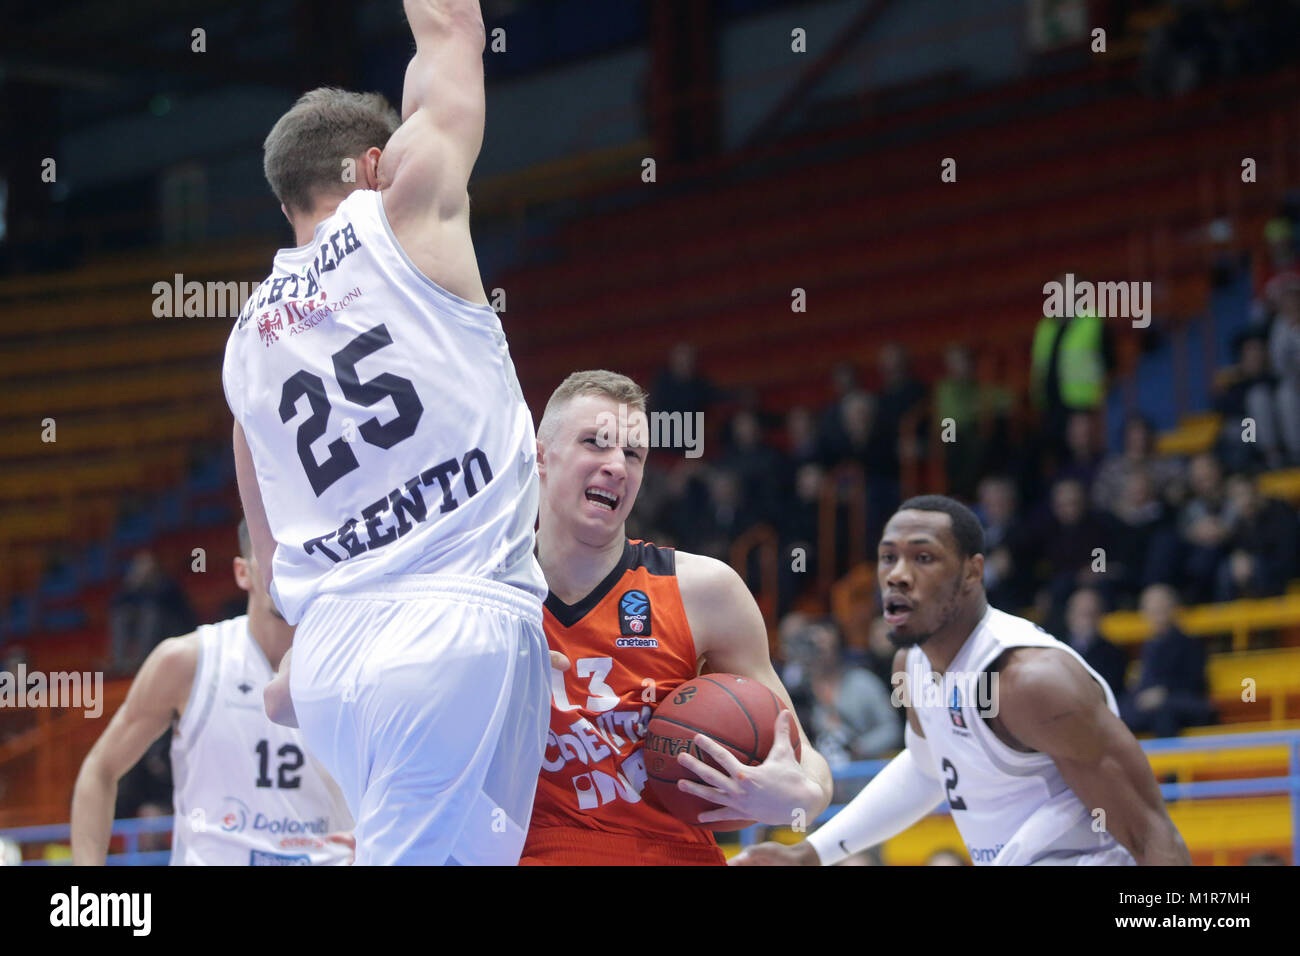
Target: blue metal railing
129, 830
1288, 784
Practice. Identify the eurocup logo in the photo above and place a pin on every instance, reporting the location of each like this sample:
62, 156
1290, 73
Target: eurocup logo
634, 614
954, 709
235, 819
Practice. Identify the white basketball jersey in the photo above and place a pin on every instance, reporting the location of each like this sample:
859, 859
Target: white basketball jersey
246, 791
1011, 808
386, 424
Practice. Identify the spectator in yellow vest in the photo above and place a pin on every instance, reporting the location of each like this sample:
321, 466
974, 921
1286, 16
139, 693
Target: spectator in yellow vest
1070, 362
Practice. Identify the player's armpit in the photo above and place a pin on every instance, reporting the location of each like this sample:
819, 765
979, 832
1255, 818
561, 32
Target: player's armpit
159, 692
1050, 703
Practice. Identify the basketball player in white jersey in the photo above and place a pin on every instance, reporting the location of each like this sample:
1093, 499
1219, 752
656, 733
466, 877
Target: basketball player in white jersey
246, 791
387, 465
1036, 767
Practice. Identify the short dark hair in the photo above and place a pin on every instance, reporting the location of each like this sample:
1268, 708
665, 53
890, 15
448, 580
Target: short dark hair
302, 155
245, 542
966, 528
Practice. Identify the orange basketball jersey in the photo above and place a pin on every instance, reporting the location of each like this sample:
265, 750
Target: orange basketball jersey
628, 646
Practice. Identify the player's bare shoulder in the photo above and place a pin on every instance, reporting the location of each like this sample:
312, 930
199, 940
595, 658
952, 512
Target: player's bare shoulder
167, 674
1045, 680
721, 612
707, 585
702, 575
1044, 695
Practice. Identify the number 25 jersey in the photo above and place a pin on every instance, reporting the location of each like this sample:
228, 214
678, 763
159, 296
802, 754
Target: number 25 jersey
386, 424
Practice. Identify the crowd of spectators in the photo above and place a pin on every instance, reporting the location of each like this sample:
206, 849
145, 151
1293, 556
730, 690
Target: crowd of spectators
753, 480
1263, 386
1072, 530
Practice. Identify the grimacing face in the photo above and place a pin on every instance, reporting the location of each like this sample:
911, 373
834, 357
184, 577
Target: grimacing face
922, 575
590, 474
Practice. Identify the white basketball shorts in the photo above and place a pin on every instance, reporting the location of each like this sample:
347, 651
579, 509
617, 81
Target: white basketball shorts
427, 698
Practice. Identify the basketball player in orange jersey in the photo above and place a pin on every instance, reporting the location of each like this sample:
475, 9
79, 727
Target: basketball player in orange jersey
627, 622
633, 621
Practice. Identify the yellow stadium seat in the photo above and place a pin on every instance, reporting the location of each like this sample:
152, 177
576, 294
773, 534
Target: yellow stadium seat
1194, 434
1283, 484
1238, 618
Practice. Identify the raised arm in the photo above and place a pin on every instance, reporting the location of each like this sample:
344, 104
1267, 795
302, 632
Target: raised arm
445, 76
1050, 703
157, 696
426, 165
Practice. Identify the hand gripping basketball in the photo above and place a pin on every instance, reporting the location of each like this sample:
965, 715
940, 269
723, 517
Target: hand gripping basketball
774, 792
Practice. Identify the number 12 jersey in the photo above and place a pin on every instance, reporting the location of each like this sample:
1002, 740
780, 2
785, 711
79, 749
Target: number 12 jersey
246, 792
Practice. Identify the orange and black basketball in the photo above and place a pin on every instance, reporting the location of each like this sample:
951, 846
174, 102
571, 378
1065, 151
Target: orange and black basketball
737, 712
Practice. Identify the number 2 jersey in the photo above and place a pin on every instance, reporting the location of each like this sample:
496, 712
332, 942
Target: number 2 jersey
1012, 808
246, 791
386, 424
629, 646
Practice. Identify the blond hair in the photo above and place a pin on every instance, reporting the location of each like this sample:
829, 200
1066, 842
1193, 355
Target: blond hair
599, 381
304, 152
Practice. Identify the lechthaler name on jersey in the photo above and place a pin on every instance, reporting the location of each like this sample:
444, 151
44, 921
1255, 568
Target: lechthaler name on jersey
132, 910
406, 506
307, 282
637, 642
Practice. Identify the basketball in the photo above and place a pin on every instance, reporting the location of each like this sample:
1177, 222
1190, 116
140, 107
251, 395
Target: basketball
738, 712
